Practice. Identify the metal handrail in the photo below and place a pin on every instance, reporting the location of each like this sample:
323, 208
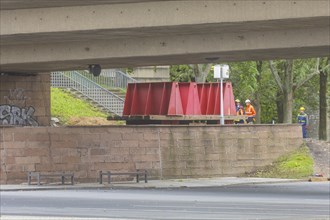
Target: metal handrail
90, 89
110, 78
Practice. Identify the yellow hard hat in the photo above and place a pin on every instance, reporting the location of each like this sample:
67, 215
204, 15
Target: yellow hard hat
302, 109
237, 100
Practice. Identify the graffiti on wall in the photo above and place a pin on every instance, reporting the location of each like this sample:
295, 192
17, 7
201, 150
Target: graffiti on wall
14, 115
16, 97
15, 111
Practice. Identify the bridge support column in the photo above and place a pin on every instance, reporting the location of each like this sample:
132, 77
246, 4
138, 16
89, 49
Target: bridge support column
25, 99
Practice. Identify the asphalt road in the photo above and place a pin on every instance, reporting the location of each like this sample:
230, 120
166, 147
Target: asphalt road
299, 200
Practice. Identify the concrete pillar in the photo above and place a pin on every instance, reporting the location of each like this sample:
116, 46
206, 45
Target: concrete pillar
25, 99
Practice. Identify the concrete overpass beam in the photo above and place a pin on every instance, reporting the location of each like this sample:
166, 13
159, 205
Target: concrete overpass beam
159, 14
293, 43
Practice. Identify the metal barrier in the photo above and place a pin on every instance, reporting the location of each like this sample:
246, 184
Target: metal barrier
39, 175
90, 89
137, 173
209, 94
110, 78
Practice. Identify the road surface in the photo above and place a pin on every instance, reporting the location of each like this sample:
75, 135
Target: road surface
299, 200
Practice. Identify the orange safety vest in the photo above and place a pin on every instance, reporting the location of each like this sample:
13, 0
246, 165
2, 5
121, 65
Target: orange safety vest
249, 111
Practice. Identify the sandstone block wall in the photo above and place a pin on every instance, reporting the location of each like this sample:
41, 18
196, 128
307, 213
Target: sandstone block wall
165, 151
25, 99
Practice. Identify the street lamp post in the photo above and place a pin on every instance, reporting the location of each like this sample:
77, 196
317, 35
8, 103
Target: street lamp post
221, 72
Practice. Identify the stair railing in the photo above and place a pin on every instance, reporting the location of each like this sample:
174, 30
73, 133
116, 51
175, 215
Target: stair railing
90, 89
110, 78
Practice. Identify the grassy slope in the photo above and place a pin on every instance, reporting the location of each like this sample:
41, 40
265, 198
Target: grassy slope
298, 164
64, 106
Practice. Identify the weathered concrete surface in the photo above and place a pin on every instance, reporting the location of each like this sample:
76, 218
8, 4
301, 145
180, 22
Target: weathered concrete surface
23, 4
166, 50
163, 17
151, 74
165, 151
162, 32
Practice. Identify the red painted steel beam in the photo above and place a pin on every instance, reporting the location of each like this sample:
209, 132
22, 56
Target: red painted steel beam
173, 98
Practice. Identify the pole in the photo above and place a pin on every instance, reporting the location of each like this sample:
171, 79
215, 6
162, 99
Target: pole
222, 121
221, 72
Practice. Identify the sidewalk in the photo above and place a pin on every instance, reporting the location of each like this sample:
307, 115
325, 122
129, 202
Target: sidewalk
152, 184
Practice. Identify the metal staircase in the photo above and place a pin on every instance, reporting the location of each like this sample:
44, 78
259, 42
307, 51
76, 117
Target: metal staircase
95, 89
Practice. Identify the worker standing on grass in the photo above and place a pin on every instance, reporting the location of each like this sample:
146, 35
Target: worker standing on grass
303, 121
239, 111
250, 112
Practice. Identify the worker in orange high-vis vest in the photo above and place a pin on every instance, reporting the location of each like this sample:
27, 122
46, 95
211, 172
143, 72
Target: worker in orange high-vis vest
250, 112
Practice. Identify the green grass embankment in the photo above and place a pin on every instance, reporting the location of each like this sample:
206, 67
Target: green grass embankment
297, 165
65, 107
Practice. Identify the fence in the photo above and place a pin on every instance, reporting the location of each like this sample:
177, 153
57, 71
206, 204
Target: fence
110, 78
90, 89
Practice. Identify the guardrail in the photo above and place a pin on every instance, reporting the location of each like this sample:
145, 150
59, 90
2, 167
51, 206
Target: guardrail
89, 88
110, 78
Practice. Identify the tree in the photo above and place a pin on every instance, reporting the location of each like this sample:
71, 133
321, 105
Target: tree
190, 73
251, 81
257, 94
201, 71
324, 73
181, 73
283, 72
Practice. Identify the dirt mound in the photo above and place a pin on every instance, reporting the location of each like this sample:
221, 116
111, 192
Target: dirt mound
320, 151
90, 121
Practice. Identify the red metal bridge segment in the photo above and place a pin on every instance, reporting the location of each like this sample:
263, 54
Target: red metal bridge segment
175, 99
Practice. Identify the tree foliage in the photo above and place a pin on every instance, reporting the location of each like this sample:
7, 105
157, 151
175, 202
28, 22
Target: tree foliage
276, 88
190, 73
181, 73
253, 80
291, 75
201, 71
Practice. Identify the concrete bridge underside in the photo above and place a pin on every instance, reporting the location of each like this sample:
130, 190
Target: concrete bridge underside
141, 33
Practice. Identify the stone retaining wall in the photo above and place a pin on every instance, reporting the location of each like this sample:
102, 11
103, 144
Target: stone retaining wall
165, 151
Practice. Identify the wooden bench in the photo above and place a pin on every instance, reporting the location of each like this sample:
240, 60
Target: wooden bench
138, 173
39, 175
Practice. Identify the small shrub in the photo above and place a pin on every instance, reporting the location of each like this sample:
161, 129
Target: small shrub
298, 164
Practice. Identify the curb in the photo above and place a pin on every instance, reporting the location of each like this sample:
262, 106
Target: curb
318, 179
151, 186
